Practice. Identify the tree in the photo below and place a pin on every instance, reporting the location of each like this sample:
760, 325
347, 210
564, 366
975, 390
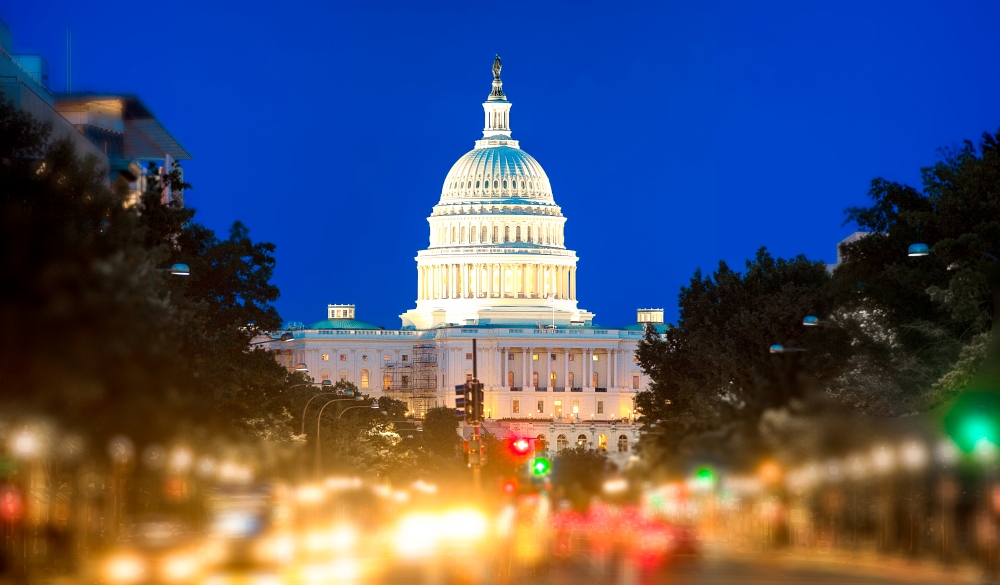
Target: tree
712, 376
578, 474
934, 313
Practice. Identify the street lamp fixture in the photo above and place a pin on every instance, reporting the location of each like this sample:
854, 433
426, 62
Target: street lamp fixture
301, 367
811, 321
177, 270
778, 348
918, 250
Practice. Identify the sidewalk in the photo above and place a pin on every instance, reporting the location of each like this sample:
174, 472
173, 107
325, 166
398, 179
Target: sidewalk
861, 563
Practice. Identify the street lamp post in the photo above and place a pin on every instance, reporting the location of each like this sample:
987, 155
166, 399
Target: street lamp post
319, 419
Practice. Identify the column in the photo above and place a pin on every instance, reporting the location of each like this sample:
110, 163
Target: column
548, 368
524, 280
588, 360
612, 355
503, 367
489, 285
538, 282
566, 368
477, 280
526, 361
572, 283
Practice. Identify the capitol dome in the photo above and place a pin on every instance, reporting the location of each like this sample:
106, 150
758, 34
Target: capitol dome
496, 252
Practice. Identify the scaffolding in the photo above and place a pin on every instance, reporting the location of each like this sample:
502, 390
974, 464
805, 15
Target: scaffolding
414, 380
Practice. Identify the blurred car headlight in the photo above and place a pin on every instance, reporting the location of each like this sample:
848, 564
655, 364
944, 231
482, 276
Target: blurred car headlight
125, 569
181, 567
343, 538
276, 549
464, 525
417, 535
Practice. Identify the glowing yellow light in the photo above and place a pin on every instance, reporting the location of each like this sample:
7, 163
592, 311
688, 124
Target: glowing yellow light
180, 568
125, 569
310, 494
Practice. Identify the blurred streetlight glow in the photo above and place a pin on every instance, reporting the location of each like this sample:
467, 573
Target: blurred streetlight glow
883, 459
25, 444
181, 460
914, 455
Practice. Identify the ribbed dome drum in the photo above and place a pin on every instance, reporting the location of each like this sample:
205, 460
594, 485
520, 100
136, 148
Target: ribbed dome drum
496, 171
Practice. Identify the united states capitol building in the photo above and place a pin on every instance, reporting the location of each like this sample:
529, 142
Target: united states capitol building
496, 270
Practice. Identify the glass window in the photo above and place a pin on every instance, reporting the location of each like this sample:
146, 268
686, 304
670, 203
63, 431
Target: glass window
541, 407
561, 442
342, 375
534, 379
505, 183
343, 357
570, 357
557, 406
517, 233
594, 357
622, 444
534, 357
326, 357
386, 382
506, 233
404, 383
477, 184
595, 381
540, 445
570, 380
515, 406
468, 377
364, 379
496, 184
385, 358
510, 379
510, 357
364, 358
468, 355
635, 381
600, 407
552, 379
405, 358
581, 440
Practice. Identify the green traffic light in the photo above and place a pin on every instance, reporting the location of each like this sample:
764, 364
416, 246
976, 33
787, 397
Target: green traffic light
540, 466
704, 474
973, 417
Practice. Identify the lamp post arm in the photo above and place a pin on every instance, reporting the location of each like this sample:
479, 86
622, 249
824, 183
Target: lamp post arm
308, 402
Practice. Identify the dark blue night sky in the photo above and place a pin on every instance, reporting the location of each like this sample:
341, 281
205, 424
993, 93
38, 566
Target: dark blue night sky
675, 134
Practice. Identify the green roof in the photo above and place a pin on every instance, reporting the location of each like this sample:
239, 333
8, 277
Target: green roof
342, 324
661, 328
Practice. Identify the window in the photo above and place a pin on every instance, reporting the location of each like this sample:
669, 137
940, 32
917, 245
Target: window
570, 380
600, 407
505, 183
342, 375
635, 357
576, 407
594, 357
506, 233
540, 445
405, 358
570, 357
385, 358
515, 406
541, 407
529, 234
496, 234
343, 357
517, 233
364, 358
326, 357
557, 407
595, 381
468, 355
552, 379
534, 379
534, 357
510, 357
581, 440
477, 184
510, 379
468, 377
404, 383
561, 443
522, 184
496, 183
552, 356
454, 233
622, 444
364, 379
386, 382
463, 235
324, 375
635, 381
602, 442
472, 234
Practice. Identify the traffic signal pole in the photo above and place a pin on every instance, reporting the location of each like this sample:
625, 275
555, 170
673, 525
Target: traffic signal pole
477, 396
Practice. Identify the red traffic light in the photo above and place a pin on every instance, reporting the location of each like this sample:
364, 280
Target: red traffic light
11, 505
520, 446
510, 486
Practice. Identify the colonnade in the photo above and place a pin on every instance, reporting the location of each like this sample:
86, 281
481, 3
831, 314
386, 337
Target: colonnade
605, 376
495, 280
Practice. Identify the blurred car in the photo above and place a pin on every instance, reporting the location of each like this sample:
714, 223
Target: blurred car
154, 549
655, 543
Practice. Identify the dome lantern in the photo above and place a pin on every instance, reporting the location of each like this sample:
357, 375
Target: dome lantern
497, 109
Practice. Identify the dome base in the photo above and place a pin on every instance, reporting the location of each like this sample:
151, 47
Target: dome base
523, 312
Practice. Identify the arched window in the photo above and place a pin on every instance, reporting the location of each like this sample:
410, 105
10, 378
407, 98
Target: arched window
635, 381
540, 444
324, 375
534, 379
454, 234
529, 234
462, 237
552, 379
595, 380
508, 282
342, 375
561, 442
622, 444
477, 184
469, 186
529, 185
570, 380
505, 183
364, 379
386, 382
517, 233
581, 440
472, 234
522, 184
506, 233
496, 184
510, 379
602, 442
496, 234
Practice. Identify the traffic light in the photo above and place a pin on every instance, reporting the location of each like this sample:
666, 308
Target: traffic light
509, 487
11, 504
974, 417
461, 402
477, 388
520, 446
476, 452
540, 466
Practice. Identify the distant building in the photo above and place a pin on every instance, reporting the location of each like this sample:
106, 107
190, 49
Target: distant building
840, 245
116, 129
496, 270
